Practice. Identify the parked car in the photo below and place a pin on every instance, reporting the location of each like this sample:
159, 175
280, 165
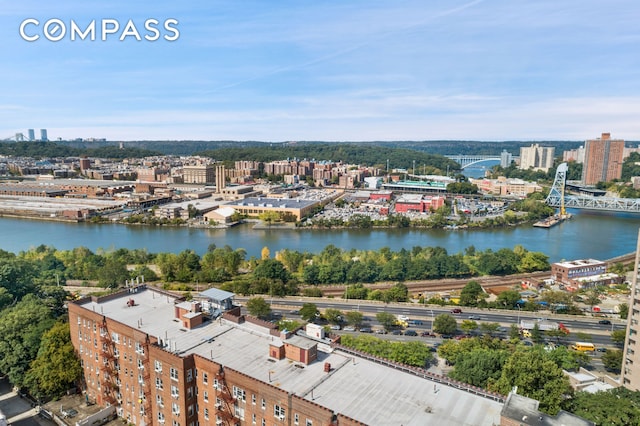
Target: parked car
605, 322
410, 333
456, 311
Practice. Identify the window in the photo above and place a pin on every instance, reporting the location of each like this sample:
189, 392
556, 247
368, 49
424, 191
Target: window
189, 375
140, 364
175, 408
296, 419
309, 423
190, 392
159, 400
205, 378
278, 412
216, 385
239, 394
190, 410
174, 373
139, 348
175, 423
206, 413
174, 391
264, 422
253, 419
205, 396
253, 398
160, 417
158, 366
239, 412
264, 404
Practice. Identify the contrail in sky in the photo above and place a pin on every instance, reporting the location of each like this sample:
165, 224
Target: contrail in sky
347, 49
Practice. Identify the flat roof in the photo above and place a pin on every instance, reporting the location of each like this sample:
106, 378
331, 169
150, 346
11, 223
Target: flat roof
216, 294
356, 387
579, 262
282, 203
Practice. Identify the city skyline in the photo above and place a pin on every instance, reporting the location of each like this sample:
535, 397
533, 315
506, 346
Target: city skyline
335, 71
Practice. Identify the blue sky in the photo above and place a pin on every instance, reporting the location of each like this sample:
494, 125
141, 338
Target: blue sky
328, 70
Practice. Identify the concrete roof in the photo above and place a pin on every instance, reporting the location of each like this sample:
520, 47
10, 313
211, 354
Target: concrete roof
356, 387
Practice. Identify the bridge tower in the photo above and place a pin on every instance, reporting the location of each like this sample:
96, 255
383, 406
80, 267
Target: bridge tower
556, 194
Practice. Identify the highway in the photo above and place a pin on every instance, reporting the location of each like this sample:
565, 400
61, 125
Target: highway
579, 327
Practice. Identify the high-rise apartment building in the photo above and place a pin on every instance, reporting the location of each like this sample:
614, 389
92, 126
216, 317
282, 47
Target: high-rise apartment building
631, 353
602, 159
536, 157
43, 135
162, 360
32, 135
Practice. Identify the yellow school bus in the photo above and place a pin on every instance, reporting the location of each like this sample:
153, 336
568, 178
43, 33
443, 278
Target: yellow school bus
583, 346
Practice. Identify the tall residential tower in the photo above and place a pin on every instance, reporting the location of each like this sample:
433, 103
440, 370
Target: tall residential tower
602, 159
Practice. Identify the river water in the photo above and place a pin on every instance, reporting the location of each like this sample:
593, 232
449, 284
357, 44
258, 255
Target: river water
586, 235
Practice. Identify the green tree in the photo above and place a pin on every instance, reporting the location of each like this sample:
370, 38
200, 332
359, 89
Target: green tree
618, 336
536, 377
56, 367
536, 334
386, 319
479, 365
21, 329
258, 307
612, 360
271, 269
490, 328
624, 311
514, 332
309, 312
445, 324
470, 293
507, 299
354, 318
467, 326
333, 316
615, 407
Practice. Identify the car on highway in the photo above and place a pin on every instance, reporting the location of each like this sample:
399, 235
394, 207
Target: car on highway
456, 311
414, 322
397, 332
411, 333
335, 327
427, 334
349, 328
380, 331
366, 330
474, 317
604, 322
601, 349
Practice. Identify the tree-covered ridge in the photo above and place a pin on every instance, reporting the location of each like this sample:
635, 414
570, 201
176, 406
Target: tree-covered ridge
53, 149
351, 153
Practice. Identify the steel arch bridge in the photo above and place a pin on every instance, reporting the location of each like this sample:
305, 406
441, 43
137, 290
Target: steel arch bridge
554, 199
470, 160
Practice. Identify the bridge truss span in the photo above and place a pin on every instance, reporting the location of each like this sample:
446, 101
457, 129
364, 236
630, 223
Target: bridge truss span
558, 198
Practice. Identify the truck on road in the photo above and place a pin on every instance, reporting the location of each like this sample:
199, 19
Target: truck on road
528, 325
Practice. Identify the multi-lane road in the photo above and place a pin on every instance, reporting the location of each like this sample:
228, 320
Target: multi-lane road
579, 327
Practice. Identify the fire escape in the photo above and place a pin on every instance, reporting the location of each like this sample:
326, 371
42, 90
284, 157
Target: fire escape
225, 410
109, 368
146, 384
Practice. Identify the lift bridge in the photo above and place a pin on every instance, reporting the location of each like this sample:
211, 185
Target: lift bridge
558, 198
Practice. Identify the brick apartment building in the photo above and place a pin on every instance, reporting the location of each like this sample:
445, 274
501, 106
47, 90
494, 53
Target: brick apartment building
164, 361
